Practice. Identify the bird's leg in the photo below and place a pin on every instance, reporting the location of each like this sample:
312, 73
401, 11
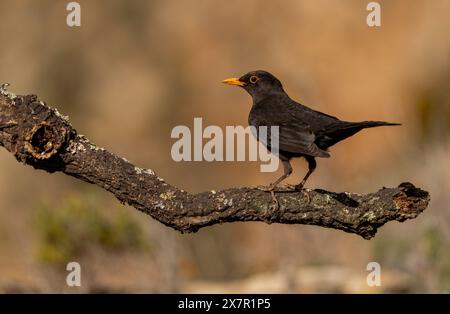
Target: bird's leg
287, 168
311, 167
287, 172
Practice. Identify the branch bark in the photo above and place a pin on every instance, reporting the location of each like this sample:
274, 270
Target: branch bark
39, 136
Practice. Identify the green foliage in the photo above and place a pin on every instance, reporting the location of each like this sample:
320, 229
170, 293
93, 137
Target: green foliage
438, 251
70, 229
392, 253
431, 244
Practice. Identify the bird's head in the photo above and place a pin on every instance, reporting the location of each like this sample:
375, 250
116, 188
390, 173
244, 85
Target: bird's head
257, 83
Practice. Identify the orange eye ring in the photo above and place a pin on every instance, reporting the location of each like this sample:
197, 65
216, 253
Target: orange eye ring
253, 79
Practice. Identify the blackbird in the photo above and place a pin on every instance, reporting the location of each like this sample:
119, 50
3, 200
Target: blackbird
303, 132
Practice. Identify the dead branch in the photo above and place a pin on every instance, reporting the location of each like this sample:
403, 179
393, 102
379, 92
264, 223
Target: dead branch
39, 136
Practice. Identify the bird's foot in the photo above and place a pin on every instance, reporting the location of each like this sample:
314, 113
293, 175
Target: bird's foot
274, 199
271, 189
266, 188
290, 187
281, 188
299, 188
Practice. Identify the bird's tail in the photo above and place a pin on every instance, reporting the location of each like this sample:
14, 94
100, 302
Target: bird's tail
347, 129
369, 124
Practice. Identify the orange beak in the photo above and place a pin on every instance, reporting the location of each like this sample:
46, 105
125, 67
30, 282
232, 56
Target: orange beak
233, 81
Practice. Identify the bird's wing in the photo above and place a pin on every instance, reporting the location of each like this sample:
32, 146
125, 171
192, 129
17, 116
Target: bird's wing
295, 134
298, 138
317, 121
294, 137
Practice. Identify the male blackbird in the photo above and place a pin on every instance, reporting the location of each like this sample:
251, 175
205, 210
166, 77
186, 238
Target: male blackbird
303, 132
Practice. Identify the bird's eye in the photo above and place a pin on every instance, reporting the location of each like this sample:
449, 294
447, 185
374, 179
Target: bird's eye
254, 79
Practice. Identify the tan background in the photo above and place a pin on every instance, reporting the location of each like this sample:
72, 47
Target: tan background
136, 69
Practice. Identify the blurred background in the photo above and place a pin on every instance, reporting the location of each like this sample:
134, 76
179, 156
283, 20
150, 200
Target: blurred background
135, 69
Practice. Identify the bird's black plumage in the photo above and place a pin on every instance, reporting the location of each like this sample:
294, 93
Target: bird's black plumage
303, 132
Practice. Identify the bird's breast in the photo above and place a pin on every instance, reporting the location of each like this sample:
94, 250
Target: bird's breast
263, 114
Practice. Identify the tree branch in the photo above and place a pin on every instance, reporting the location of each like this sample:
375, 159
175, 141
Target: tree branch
39, 136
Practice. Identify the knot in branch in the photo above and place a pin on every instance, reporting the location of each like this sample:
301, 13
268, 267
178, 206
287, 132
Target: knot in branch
44, 140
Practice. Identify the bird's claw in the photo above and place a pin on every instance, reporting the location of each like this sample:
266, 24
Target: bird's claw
274, 199
305, 194
308, 198
266, 188
271, 189
290, 187
299, 188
